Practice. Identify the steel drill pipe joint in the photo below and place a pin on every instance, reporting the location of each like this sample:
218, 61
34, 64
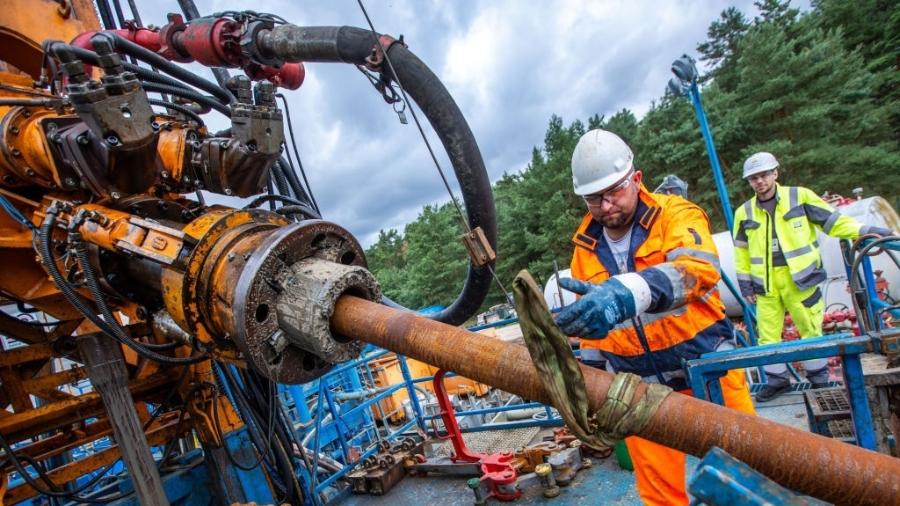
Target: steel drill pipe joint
808, 463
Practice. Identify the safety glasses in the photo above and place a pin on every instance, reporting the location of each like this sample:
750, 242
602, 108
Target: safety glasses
610, 195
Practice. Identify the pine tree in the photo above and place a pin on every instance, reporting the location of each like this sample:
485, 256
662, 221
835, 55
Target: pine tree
720, 51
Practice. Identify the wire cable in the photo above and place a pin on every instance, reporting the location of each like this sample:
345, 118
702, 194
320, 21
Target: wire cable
287, 113
437, 164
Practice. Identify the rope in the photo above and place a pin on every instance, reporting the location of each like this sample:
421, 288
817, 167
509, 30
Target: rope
620, 416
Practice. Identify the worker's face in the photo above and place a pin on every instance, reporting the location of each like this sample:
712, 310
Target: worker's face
614, 207
764, 182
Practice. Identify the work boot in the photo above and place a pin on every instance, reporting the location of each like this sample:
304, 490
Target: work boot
819, 378
770, 391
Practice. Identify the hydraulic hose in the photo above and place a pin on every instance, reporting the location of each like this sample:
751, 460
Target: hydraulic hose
141, 53
157, 79
178, 108
188, 94
353, 45
280, 179
73, 298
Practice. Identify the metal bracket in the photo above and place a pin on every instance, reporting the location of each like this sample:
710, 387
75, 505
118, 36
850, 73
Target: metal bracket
478, 247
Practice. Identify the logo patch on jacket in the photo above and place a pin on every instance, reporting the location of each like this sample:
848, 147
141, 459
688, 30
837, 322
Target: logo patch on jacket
797, 223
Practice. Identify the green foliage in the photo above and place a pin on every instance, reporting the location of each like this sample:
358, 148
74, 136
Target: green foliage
721, 50
819, 90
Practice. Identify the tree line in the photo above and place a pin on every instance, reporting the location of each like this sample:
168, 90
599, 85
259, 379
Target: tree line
820, 90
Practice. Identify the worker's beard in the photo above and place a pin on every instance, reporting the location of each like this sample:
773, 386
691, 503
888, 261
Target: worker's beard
618, 220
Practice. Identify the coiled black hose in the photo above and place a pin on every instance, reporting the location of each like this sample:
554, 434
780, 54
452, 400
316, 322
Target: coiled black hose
354, 45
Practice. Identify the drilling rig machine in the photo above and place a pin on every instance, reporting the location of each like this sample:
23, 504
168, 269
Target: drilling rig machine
166, 303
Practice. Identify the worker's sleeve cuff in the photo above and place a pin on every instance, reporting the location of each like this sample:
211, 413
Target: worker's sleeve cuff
639, 289
666, 287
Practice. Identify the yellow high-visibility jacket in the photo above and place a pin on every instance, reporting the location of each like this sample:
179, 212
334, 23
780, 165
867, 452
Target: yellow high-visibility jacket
799, 213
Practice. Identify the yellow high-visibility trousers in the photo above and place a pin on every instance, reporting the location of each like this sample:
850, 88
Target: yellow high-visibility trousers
805, 306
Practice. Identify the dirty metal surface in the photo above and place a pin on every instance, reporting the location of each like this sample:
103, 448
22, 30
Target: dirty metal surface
801, 461
604, 483
257, 292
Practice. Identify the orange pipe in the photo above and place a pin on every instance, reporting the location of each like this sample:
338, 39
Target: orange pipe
811, 464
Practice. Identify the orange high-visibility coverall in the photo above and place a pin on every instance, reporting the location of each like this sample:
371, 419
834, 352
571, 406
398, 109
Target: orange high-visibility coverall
672, 249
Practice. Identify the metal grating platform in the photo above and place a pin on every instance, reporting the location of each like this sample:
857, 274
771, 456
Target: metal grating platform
830, 401
842, 429
492, 441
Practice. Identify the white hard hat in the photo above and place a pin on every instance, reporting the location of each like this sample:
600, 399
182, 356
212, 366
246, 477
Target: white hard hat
759, 162
600, 160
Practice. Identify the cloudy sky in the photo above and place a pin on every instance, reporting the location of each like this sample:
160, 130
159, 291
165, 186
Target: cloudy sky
510, 65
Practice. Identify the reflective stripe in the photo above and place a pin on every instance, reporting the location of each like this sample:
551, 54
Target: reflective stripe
677, 281
648, 318
743, 277
802, 278
760, 282
792, 197
741, 244
748, 209
798, 252
691, 252
592, 354
757, 260
813, 299
831, 221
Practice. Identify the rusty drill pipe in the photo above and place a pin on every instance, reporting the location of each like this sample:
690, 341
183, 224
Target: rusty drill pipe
824, 468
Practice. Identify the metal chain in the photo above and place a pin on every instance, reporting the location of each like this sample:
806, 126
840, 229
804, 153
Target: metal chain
437, 164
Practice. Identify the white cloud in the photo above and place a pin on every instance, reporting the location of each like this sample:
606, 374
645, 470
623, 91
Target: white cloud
510, 65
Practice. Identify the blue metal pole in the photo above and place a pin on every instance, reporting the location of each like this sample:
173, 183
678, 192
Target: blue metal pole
413, 397
336, 416
296, 393
859, 401
713, 157
869, 278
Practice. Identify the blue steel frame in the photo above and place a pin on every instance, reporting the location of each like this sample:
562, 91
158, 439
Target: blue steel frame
704, 372
722, 480
327, 403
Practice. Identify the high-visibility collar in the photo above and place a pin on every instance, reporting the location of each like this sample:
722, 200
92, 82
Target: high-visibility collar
591, 235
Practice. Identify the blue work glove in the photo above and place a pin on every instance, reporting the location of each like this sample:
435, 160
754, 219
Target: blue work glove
600, 308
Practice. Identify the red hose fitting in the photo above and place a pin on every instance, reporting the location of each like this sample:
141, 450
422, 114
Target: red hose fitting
142, 36
214, 42
290, 76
